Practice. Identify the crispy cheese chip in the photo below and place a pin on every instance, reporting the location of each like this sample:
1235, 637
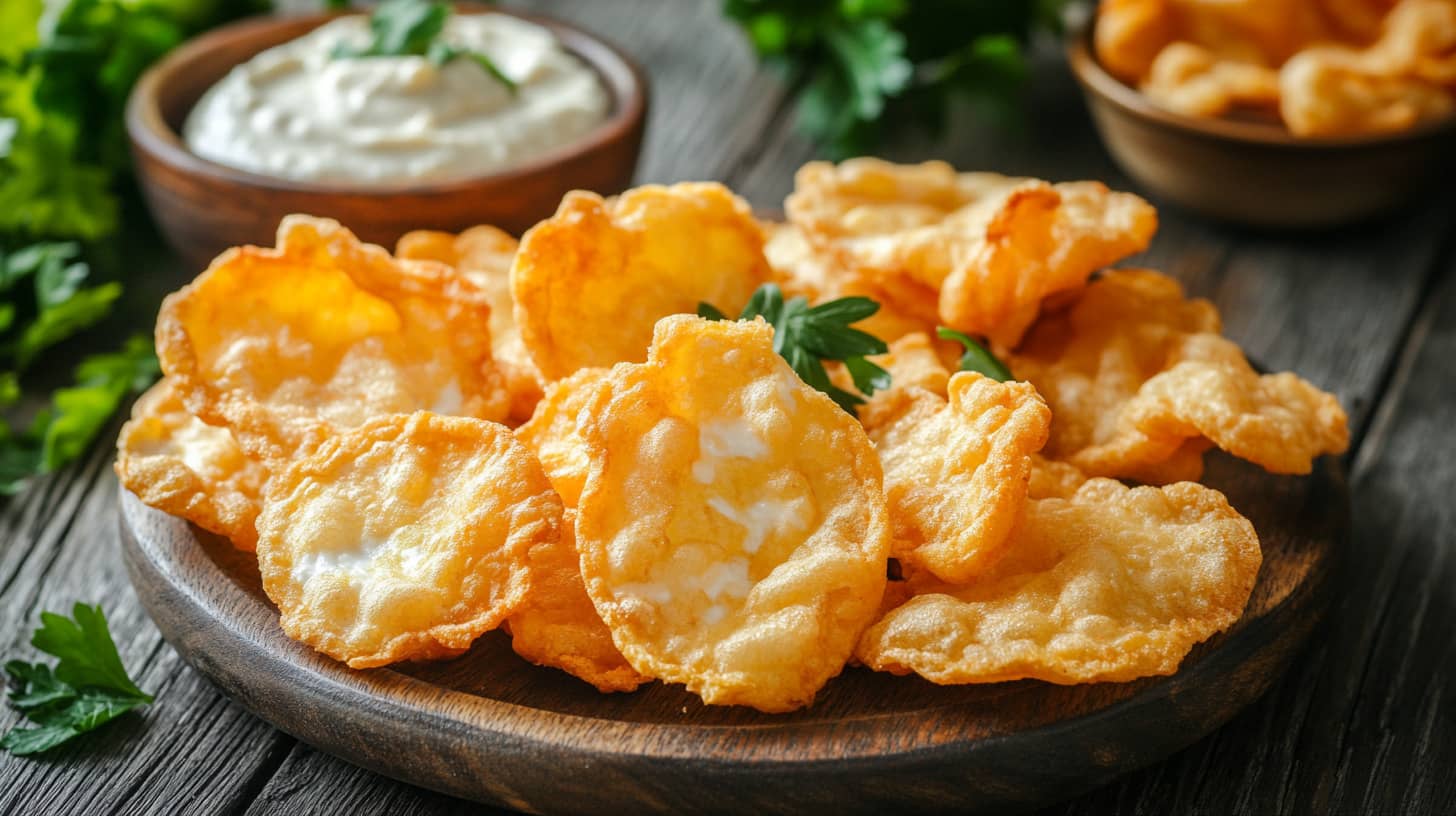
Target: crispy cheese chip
483, 255
554, 430
1130, 34
286, 346
178, 464
956, 471
733, 530
591, 281
557, 625
1140, 383
1051, 479
1110, 585
405, 538
1193, 80
1277, 421
821, 272
993, 247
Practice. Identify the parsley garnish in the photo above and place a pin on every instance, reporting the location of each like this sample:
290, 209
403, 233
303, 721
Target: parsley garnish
87, 687
60, 305
977, 358
412, 28
867, 65
805, 336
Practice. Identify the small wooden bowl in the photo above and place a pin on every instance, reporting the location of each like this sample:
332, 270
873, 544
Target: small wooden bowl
1256, 173
204, 207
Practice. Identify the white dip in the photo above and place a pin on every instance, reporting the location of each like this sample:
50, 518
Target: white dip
294, 112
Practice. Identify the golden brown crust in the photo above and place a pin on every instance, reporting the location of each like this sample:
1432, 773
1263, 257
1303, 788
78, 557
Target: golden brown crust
405, 538
733, 530
286, 346
590, 282
1110, 585
176, 463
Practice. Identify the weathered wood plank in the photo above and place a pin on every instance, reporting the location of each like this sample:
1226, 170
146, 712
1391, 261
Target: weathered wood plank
192, 747
311, 783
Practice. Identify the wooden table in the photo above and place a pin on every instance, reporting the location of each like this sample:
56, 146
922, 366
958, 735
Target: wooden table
1364, 722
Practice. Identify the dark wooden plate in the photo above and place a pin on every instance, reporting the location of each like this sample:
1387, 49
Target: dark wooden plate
490, 727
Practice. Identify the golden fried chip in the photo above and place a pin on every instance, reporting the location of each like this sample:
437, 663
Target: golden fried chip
913, 362
286, 346
1192, 80
1053, 480
1105, 366
993, 247
1277, 421
733, 530
1113, 584
1030, 252
483, 255
405, 538
821, 272
553, 432
956, 471
1326, 92
180, 465
557, 625
591, 281
1130, 34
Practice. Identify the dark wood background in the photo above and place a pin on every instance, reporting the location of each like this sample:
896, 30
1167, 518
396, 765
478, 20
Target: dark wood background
1364, 722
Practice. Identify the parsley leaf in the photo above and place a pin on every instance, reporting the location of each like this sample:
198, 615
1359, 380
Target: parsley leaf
412, 28
806, 336
867, 64
976, 358
87, 688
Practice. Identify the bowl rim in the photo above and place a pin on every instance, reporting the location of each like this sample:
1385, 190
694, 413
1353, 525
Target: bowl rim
1096, 80
150, 132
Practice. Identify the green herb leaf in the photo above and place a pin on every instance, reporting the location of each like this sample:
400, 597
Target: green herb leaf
400, 28
806, 336
87, 688
976, 357
412, 28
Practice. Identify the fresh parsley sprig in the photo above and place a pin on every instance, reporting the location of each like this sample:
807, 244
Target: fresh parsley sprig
59, 305
867, 65
87, 688
805, 336
977, 357
412, 28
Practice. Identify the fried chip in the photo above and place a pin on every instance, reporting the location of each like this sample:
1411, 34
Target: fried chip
554, 430
405, 538
590, 282
1277, 421
1099, 362
1110, 585
1130, 34
1192, 80
287, 346
180, 465
956, 471
557, 625
993, 247
819, 273
1326, 92
1053, 480
733, 530
1031, 251
483, 255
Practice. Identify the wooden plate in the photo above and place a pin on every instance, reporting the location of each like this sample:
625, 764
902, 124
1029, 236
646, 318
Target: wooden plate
490, 727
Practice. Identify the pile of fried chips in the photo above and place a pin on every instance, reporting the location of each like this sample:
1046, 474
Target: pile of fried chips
1325, 67
542, 437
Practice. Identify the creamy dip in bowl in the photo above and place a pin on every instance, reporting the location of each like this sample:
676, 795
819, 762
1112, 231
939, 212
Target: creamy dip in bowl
299, 112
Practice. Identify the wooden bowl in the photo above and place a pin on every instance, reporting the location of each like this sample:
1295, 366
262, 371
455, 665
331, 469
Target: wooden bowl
1251, 172
204, 207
